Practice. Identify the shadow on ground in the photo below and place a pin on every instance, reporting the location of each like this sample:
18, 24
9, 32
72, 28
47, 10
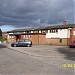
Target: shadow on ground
68, 52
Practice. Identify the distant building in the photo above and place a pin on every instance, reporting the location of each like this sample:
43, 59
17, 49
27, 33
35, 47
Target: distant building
60, 35
5, 35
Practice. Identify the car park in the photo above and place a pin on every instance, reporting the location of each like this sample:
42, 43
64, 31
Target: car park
72, 44
22, 43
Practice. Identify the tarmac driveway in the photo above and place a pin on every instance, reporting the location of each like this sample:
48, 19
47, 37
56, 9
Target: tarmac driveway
36, 60
40, 51
56, 55
48, 51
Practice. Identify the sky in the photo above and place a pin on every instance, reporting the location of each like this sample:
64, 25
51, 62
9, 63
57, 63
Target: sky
35, 13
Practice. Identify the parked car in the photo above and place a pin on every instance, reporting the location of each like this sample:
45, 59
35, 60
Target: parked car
22, 43
72, 44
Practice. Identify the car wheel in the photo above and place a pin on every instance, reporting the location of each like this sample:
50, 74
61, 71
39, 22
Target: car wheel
14, 45
11, 45
28, 45
71, 46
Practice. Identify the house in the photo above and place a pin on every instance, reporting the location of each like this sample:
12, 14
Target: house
60, 35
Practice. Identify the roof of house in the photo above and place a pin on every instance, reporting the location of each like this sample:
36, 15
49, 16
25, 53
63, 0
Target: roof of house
22, 30
58, 27
44, 28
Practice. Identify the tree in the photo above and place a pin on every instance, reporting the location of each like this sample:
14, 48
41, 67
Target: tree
0, 33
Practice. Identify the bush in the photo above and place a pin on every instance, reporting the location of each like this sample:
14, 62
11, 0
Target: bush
2, 39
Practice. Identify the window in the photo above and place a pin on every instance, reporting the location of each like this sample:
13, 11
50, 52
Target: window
44, 31
27, 36
24, 36
39, 31
11, 36
35, 31
27, 32
31, 31
53, 30
56, 30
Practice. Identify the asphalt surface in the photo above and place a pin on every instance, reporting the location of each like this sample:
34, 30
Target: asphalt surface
14, 62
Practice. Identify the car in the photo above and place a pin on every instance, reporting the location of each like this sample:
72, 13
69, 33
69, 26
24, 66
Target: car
22, 43
72, 44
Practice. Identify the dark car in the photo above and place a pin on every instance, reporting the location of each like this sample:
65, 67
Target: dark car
72, 44
22, 43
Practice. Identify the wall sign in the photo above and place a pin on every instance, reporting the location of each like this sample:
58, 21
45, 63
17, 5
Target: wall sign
62, 33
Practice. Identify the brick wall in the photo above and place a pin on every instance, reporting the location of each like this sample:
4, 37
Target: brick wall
40, 39
5, 35
11, 40
56, 42
72, 36
34, 39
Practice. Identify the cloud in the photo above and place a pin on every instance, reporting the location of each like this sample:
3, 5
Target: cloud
20, 13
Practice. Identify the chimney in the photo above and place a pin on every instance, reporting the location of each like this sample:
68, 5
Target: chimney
64, 22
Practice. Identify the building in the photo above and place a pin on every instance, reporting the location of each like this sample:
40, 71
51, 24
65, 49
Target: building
60, 35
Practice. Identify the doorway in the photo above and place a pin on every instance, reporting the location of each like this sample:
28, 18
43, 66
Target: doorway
18, 37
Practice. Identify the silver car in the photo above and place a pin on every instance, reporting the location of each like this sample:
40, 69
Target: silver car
22, 43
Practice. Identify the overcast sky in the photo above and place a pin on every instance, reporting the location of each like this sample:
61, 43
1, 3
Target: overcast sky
34, 13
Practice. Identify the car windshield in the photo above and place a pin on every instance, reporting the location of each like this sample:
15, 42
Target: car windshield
26, 40
20, 41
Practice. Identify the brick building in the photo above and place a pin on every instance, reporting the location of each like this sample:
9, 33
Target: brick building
51, 35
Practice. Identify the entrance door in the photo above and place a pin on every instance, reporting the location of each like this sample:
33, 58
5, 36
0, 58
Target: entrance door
18, 37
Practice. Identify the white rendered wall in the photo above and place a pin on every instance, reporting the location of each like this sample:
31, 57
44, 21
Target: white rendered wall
62, 33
